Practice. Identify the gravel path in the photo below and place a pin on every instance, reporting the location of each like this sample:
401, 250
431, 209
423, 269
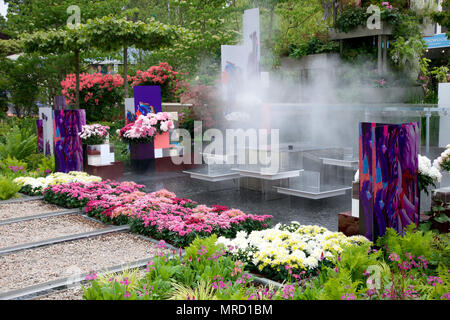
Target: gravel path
30, 267
45, 228
26, 208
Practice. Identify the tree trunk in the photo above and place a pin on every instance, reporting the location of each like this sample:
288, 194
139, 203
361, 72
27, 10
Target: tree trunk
125, 69
77, 75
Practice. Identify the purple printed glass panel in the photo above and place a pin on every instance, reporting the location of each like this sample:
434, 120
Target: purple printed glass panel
388, 164
60, 103
147, 99
40, 135
68, 146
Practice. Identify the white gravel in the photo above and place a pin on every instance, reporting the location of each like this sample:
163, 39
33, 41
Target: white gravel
25, 208
45, 228
39, 265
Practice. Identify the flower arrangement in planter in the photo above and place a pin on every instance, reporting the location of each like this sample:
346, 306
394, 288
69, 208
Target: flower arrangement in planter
287, 250
94, 134
428, 175
442, 163
162, 75
35, 186
98, 94
145, 128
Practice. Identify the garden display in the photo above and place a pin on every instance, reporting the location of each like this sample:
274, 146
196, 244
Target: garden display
208, 271
161, 215
35, 186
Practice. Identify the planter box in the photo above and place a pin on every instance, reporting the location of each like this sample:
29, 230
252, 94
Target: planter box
142, 151
347, 224
111, 171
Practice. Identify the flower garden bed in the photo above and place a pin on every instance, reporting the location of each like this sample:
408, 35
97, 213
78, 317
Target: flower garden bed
78, 194
288, 251
207, 271
160, 215
35, 186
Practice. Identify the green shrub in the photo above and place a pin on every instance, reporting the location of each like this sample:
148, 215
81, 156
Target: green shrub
8, 188
18, 143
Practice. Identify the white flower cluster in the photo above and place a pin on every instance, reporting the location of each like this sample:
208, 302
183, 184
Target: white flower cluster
426, 169
91, 130
356, 178
296, 246
39, 184
443, 158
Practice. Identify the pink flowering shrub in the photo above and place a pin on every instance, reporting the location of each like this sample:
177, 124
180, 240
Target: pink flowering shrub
162, 215
78, 194
98, 94
164, 76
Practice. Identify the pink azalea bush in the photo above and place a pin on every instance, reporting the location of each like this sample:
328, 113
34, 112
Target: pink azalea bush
146, 127
99, 94
162, 75
163, 216
78, 194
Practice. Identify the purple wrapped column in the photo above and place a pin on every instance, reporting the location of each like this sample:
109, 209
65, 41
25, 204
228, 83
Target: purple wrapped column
388, 164
68, 146
142, 151
40, 135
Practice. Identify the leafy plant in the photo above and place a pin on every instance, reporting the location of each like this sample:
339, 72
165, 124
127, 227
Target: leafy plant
18, 143
351, 18
200, 291
440, 73
8, 188
437, 215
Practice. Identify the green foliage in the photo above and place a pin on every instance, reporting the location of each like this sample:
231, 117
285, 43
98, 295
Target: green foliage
443, 17
17, 143
314, 46
351, 18
8, 188
339, 284
356, 260
440, 73
414, 242
406, 54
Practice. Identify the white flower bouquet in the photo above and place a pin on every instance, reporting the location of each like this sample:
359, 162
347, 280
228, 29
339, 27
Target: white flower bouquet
428, 175
94, 134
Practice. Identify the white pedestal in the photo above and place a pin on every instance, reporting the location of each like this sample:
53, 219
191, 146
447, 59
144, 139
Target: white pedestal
105, 157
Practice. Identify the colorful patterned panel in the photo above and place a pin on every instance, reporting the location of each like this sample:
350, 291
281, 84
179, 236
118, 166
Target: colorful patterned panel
40, 135
67, 144
147, 99
46, 115
388, 164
